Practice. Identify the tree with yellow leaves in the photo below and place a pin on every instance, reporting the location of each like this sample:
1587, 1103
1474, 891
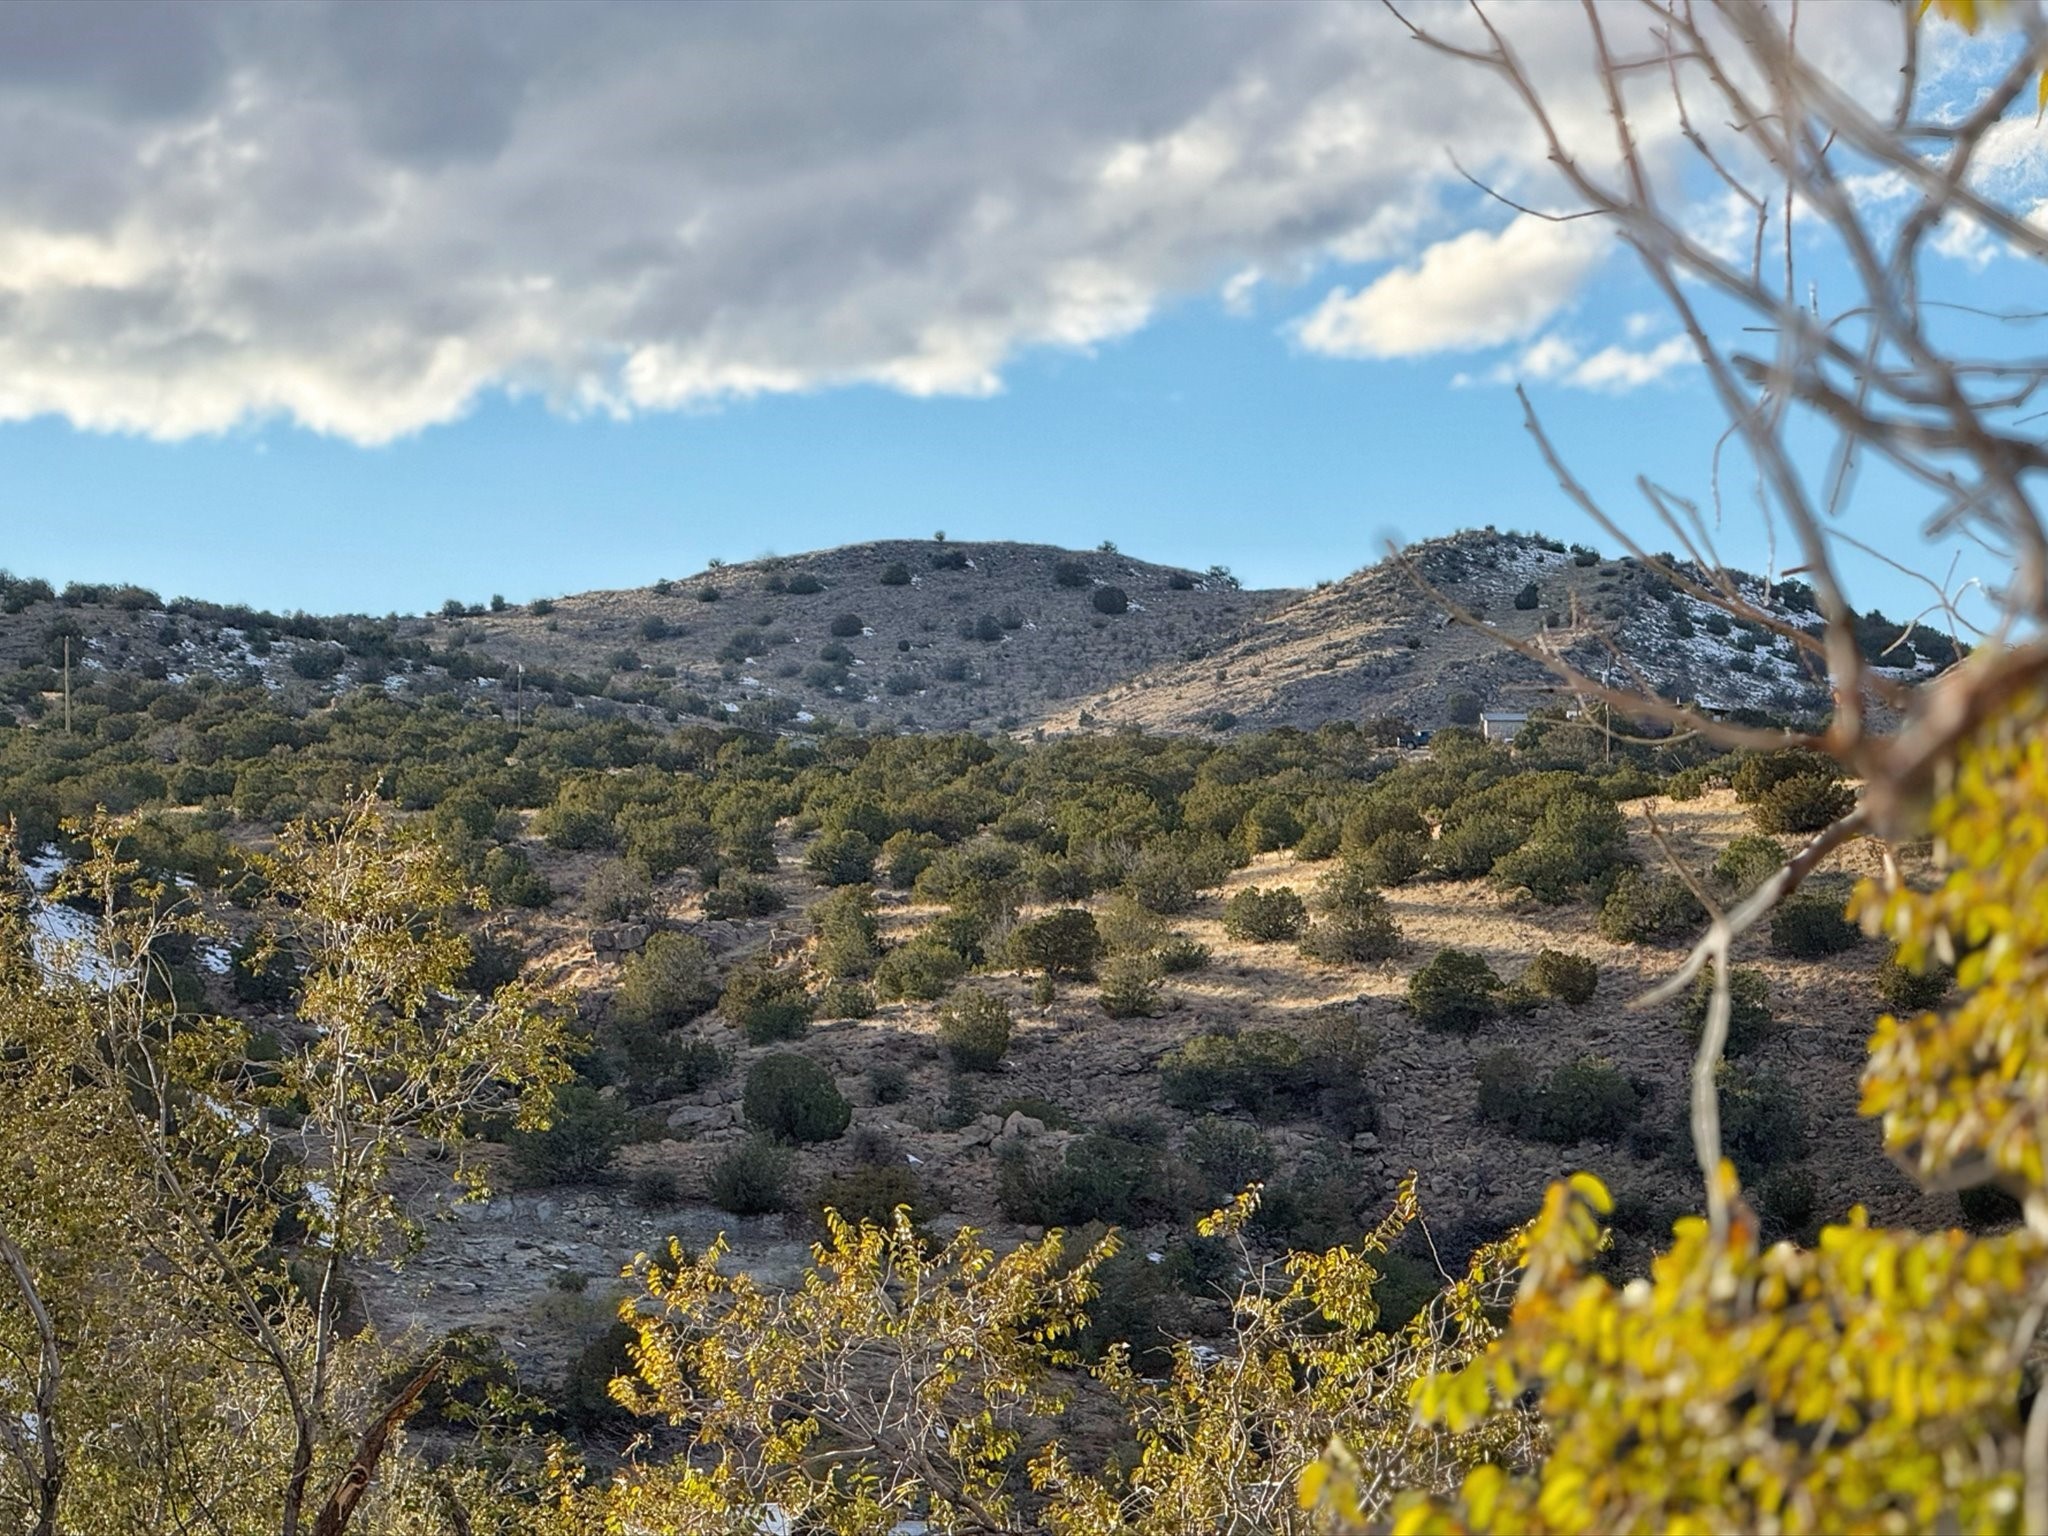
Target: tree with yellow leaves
1876, 1381
182, 1201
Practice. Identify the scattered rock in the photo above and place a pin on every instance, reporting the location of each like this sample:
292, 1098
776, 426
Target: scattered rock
612, 939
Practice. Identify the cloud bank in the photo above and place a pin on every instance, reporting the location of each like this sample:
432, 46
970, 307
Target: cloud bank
358, 218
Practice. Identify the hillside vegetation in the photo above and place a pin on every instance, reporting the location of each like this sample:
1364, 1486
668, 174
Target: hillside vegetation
1104, 981
938, 635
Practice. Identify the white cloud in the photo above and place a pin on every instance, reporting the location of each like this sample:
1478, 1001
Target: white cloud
1961, 238
1477, 289
1614, 369
1553, 359
360, 218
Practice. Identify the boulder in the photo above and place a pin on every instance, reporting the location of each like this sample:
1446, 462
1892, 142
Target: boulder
618, 939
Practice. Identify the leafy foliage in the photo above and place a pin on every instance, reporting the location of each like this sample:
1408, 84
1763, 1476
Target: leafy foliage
1265, 916
1063, 943
974, 1027
1457, 990
1567, 977
793, 1098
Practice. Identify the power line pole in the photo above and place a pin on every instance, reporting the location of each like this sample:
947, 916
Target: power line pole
519, 696
67, 685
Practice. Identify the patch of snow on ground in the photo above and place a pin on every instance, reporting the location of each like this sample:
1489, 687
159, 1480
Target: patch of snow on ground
64, 940
42, 870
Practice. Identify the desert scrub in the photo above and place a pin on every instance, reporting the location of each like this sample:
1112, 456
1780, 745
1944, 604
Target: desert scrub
752, 1177
1261, 1071
1749, 1008
669, 982
1906, 989
1265, 916
1355, 939
872, 1194
1809, 925
843, 857
767, 1002
844, 1000
1747, 863
1649, 908
975, 1030
792, 1098
1806, 803
1394, 858
1567, 977
738, 895
583, 1136
1457, 990
922, 969
1130, 987
1065, 943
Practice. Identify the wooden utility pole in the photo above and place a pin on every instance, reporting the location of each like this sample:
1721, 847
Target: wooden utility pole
67, 685
519, 696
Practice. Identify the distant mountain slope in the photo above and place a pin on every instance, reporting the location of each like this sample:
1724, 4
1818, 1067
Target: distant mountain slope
937, 635
913, 634
1377, 644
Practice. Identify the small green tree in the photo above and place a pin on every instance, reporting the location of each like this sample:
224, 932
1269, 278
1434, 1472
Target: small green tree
1130, 987
922, 969
843, 857
582, 1137
793, 1098
752, 1178
767, 1001
1265, 916
974, 1027
1567, 977
1457, 990
669, 982
1063, 943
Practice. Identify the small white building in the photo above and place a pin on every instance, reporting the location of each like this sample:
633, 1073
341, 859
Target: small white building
1502, 724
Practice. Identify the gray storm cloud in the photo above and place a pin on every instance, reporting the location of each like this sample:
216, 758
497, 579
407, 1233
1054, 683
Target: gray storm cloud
359, 217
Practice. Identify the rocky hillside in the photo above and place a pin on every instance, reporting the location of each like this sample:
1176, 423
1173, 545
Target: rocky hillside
915, 635
1377, 643
986, 636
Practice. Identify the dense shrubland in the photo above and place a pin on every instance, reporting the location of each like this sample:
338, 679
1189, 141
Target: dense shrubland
1074, 863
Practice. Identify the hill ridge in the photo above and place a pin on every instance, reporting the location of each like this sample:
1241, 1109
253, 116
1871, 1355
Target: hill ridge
986, 635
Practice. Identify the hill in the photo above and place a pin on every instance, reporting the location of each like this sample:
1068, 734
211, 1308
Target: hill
1378, 643
933, 635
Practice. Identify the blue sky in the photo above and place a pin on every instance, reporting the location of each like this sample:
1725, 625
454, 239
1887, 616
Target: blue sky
1206, 437
361, 308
